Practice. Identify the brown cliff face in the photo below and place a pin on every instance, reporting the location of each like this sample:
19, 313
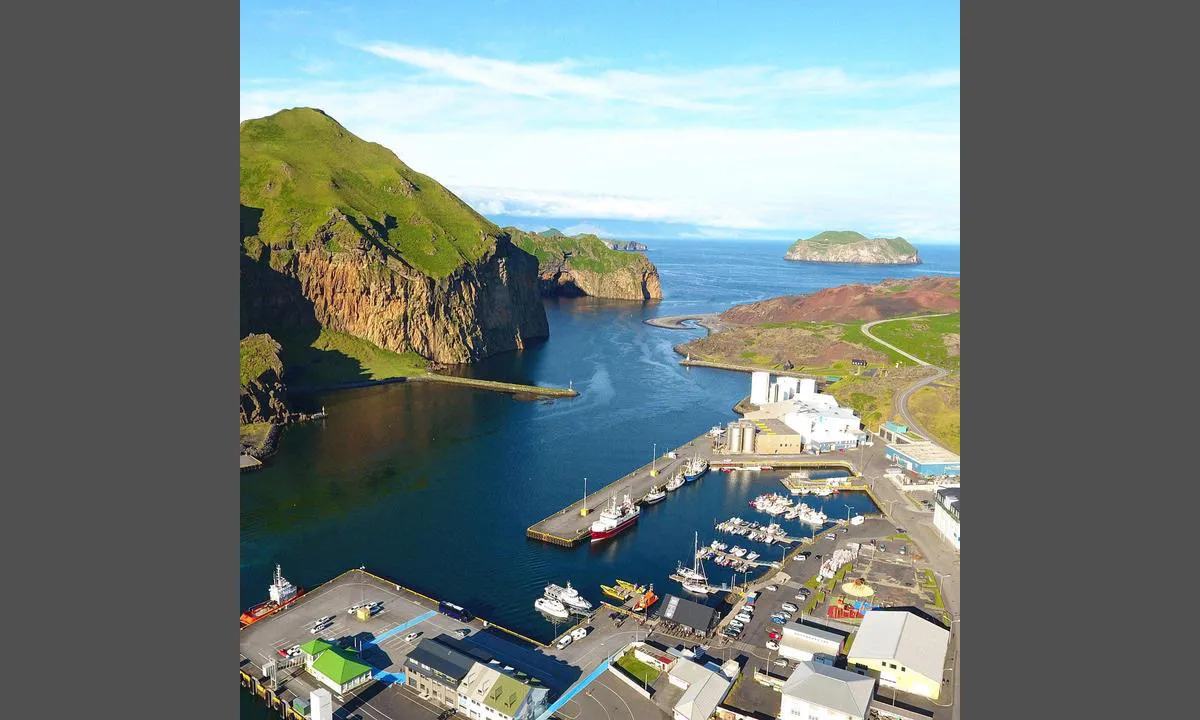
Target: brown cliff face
263, 395
638, 281
362, 289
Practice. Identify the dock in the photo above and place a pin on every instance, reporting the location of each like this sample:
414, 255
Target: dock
249, 462
505, 387
569, 527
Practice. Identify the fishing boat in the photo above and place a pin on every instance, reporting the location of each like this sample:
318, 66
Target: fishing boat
676, 482
615, 519
694, 468
280, 594
656, 494
552, 608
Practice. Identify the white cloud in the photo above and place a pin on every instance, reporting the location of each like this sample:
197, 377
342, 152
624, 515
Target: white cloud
560, 139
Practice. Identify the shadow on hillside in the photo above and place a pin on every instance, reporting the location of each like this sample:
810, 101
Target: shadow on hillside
272, 302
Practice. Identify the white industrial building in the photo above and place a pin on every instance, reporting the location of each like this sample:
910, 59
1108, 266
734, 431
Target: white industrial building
947, 504
760, 387
816, 691
822, 425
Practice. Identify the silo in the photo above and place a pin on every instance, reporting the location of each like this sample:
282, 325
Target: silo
808, 386
735, 437
748, 439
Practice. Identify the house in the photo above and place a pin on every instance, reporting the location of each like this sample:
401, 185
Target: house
340, 670
703, 689
436, 667
816, 691
488, 694
907, 650
947, 504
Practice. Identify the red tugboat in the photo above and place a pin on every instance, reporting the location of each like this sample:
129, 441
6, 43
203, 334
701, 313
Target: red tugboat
282, 593
615, 518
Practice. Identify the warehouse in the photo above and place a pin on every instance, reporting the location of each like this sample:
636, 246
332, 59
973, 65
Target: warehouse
925, 459
816, 691
906, 649
774, 437
802, 640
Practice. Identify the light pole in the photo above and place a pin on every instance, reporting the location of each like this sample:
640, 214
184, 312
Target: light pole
654, 460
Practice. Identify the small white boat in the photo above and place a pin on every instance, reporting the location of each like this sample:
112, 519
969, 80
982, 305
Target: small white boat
676, 482
752, 556
552, 608
697, 587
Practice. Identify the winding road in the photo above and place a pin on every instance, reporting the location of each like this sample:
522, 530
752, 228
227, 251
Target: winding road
900, 402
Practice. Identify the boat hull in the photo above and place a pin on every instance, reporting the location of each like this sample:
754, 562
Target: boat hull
266, 609
651, 500
599, 535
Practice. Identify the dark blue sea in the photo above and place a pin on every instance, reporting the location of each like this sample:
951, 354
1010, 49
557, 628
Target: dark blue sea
434, 486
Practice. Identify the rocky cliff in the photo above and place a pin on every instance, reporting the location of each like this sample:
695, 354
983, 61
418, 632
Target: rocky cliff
625, 245
581, 265
263, 396
338, 232
845, 246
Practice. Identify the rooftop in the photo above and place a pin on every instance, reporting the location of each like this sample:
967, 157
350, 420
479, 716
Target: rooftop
339, 665
798, 627
830, 687
951, 499
493, 688
441, 655
925, 452
686, 612
701, 698
902, 637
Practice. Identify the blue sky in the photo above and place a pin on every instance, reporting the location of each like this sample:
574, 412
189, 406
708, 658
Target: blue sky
661, 119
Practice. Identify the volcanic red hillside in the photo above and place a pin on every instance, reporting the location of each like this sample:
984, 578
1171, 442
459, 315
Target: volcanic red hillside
848, 303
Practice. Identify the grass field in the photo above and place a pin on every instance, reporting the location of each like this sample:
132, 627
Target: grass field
333, 358
588, 252
934, 340
936, 407
637, 668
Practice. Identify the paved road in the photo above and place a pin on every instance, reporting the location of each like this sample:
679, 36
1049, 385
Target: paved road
900, 401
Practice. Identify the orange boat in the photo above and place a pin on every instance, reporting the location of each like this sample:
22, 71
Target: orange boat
646, 599
281, 594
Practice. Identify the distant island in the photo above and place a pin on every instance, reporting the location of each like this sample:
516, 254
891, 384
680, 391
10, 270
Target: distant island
586, 265
625, 245
847, 246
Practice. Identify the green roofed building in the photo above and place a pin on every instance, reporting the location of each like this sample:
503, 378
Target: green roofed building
488, 694
339, 669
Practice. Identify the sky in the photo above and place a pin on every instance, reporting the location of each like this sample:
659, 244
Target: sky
754, 119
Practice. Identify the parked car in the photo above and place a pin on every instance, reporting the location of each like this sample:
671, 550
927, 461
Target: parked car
743, 617
902, 549
323, 620
778, 620
772, 645
293, 651
781, 662
564, 641
830, 536
788, 607
412, 636
772, 588
901, 530
774, 634
882, 547
802, 556
737, 624
318, 628
462, 632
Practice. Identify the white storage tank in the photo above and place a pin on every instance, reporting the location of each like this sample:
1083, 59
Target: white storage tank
735, 438
759, 386
808, 386
748, 439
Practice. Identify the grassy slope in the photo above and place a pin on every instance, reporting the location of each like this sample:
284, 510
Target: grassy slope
588, 252
297, 165
937, 409
334, 358
255, 434
923, 337
259, 354
832, 238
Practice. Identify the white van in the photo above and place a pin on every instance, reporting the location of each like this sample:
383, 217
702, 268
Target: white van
564, 641
579, 633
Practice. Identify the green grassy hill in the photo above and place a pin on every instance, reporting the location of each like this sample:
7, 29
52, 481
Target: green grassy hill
831, 238
300, 165
587, 252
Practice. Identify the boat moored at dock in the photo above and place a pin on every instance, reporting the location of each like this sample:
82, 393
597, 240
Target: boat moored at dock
568, 597
551, 608
281, 593
656, 494
614, 519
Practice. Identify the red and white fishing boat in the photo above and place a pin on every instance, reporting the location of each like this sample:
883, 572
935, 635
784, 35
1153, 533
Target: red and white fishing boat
615, 519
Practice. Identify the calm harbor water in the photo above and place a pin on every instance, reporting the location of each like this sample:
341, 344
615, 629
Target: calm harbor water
434, 486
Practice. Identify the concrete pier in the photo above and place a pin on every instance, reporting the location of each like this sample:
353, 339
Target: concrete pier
568, 527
